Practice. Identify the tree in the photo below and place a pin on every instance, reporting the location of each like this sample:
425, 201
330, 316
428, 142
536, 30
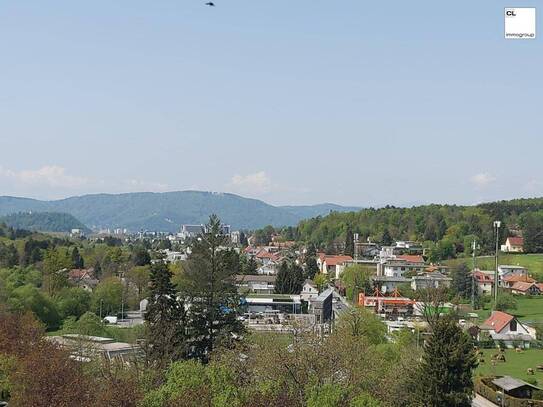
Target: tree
107, 296
251, 267
289, 279
55, 270
209, 286
356, 279
359, 322
166, 318
139, 276
461, 283
320, 281
73, 301
77, 260
349, 242
311, 267
140, 256
386, 240
445, 375
506, 302
29, 298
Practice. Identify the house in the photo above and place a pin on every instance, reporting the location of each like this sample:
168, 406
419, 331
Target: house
430, 280
261, 284
309, 290
484, 280
83, 278
512, 279
526, 288
392, 305
332, 264
322, 306
506, 328
506, 270
388, 284
513, 244
400, 266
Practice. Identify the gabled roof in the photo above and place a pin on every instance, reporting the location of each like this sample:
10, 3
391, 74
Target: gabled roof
509, 383
523, 286
516, 241
310, 282
335, 260
484, 277
519, 277
498, 320
411, 258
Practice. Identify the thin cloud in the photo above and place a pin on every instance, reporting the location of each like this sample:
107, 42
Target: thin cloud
482, 179
256, 183
49, 175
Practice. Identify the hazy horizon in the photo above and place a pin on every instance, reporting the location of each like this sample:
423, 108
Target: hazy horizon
292, 103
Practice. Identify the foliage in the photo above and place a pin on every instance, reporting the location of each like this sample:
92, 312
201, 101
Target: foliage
290, 279
506, 302
166, 319
208, 285
107, 297
356, 279
73, 301
461, 284
29, 298
43, 221
358, 322
444, 378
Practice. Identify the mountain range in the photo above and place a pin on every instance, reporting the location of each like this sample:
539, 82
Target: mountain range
166, 211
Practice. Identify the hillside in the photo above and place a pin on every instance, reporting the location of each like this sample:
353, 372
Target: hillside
166, 211
312, 211
43, 221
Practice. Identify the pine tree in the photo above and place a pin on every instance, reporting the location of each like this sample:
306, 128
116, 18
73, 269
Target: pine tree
311, 268
166, 319
77, 260
282, 281
445, 375
252, 267
209, 286
461, 281
349, 243
386, 240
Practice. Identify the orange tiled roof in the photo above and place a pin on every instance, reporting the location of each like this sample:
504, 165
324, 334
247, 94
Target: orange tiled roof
498, 320
519, 277
411, 258
516, 241
335, 260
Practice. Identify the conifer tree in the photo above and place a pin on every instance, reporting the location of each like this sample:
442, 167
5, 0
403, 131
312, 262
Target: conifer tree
166, 318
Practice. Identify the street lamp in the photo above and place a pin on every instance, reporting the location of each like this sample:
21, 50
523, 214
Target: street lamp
497, 225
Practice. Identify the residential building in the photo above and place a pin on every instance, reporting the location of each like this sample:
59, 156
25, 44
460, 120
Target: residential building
484, 280
190, 231
387, 284
332, 264
511, 279
403, 264
526, 288
430, 280
83, 278
261, 284
309, 290
507, 270
502, 326
392, 305
322, 306
513, 244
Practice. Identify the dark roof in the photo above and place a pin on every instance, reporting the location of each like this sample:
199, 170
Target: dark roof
509, 383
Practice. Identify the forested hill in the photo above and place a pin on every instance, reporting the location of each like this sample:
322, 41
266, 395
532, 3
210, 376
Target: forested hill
447, 229
43, 221
167, 211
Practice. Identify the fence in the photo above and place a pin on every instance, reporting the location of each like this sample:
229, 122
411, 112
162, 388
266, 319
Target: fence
489, 393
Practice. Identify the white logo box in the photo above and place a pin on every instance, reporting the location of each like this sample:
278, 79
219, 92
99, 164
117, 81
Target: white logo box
519, 23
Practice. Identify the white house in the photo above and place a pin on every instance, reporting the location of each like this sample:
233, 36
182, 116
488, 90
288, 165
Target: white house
513, 244
484, 280
309, 290
507, 328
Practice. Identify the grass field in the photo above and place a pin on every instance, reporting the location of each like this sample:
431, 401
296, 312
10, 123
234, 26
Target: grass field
533, 262
529, 309
516, 364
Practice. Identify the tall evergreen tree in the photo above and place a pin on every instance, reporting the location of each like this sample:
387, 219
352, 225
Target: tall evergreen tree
77, 260
386, 240
252, 267
349, 243
461, 281
166, 319
290, 279
445, 375
209, 286
311, 267
282, 280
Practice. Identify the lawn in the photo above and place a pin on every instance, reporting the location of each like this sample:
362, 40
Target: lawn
529, 309
533, 262
515, 365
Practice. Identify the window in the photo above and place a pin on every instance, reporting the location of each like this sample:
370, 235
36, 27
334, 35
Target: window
513, 325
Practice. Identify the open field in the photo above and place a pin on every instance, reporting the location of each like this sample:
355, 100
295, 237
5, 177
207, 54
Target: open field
515, 365
529, 309
533, 262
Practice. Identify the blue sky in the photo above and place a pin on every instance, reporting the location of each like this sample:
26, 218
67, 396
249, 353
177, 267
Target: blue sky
292, 102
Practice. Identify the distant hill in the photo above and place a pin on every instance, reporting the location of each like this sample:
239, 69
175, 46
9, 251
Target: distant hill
312, 211
168, 210
43, 221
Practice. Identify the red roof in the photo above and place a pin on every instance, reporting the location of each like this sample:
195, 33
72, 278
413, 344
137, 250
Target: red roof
335, 260
523, 286
483, 277
411, 258
519, 277
78, 274
516, 241
498, 320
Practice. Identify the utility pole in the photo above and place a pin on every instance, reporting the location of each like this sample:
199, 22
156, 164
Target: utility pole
474, 247
497, 225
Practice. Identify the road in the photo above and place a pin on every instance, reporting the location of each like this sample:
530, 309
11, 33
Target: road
480, 401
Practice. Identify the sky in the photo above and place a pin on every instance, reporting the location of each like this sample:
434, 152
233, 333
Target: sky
288, 101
